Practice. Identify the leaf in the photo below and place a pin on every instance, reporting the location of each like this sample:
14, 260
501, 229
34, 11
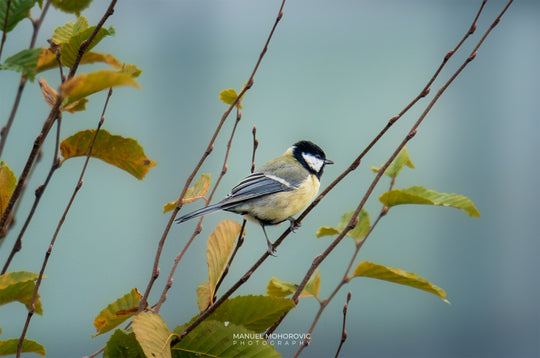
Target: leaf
8, 181
256, 313
123, 345
359, 232
50, 95
70, 49
203, 296
117, 312
71, 6
220, 246
313, 286
131, 70
196, 192
223, 340
19, 286
369, 269
229, 95
63, 33
397, 165
421, 195
84, 84
152, 334
24, 61
124, 153
9, 347
18, 10
278, 288
47, 59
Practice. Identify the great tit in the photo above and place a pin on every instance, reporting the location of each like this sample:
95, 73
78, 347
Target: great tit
276, 191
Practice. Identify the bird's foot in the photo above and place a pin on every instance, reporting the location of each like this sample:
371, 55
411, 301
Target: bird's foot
294, 224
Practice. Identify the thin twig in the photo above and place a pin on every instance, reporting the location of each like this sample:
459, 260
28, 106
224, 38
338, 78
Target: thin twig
249, 84
4, 28
58, 227
343, 331
320, 258
38, 142
22, 83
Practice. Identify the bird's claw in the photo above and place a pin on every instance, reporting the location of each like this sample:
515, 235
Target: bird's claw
294, 224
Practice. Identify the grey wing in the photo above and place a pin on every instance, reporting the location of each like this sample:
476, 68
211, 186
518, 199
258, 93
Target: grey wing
254, 186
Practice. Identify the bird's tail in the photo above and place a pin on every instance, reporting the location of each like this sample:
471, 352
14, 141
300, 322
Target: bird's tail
207, 210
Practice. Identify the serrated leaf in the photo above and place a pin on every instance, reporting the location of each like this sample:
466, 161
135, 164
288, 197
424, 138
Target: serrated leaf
124, 153
47, 59
398, 164
203, 296
24, 61
224, 340
84, 85
229, 95
19, 286
152, 334
63, 33
278, 288
123, 345
220, 246
9, 347
369, 269
117, 312
359, 232
18, 10
420, 195
70, 49
196, 192
71, 6
256, 313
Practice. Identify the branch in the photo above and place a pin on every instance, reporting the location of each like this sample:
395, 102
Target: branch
58, 227
22, 83
343, 331
317, 261
209, 148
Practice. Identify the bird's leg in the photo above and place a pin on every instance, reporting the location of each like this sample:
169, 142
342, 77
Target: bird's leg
294, 225
270, 249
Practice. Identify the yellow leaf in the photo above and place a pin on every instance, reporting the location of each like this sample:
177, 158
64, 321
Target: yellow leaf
196, 192
50, 97
124, 153
86, 84
203, 295
152, 334
278, 288
313, 286
47, 59
220, 246
369, 269
229, 95
117, 312
7, 185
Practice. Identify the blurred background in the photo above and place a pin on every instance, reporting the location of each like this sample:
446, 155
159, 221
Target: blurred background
335, 72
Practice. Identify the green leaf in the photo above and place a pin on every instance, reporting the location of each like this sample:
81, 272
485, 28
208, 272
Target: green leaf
70, 49
220, 246
397, 165
131, 70
369, 269
278, 288
421, 195
152, 334
228, 96
8, 181
117, 312
18, 10
256, 313
9, 347
71, 6
19, 286
24, 61
123, 345
124, 153
359, 232
196, 192
84, 84
224, 340
63, 33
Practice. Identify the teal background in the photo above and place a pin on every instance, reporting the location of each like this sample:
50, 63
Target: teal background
335, 72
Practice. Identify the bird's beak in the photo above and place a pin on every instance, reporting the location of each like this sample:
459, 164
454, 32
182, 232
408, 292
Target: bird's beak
328, 161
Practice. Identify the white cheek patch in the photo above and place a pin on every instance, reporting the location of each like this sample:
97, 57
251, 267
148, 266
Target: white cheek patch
313, 162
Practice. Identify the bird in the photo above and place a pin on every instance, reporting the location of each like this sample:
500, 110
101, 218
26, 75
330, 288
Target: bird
276, 191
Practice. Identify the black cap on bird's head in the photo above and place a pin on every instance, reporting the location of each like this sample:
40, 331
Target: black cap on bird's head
311, 156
